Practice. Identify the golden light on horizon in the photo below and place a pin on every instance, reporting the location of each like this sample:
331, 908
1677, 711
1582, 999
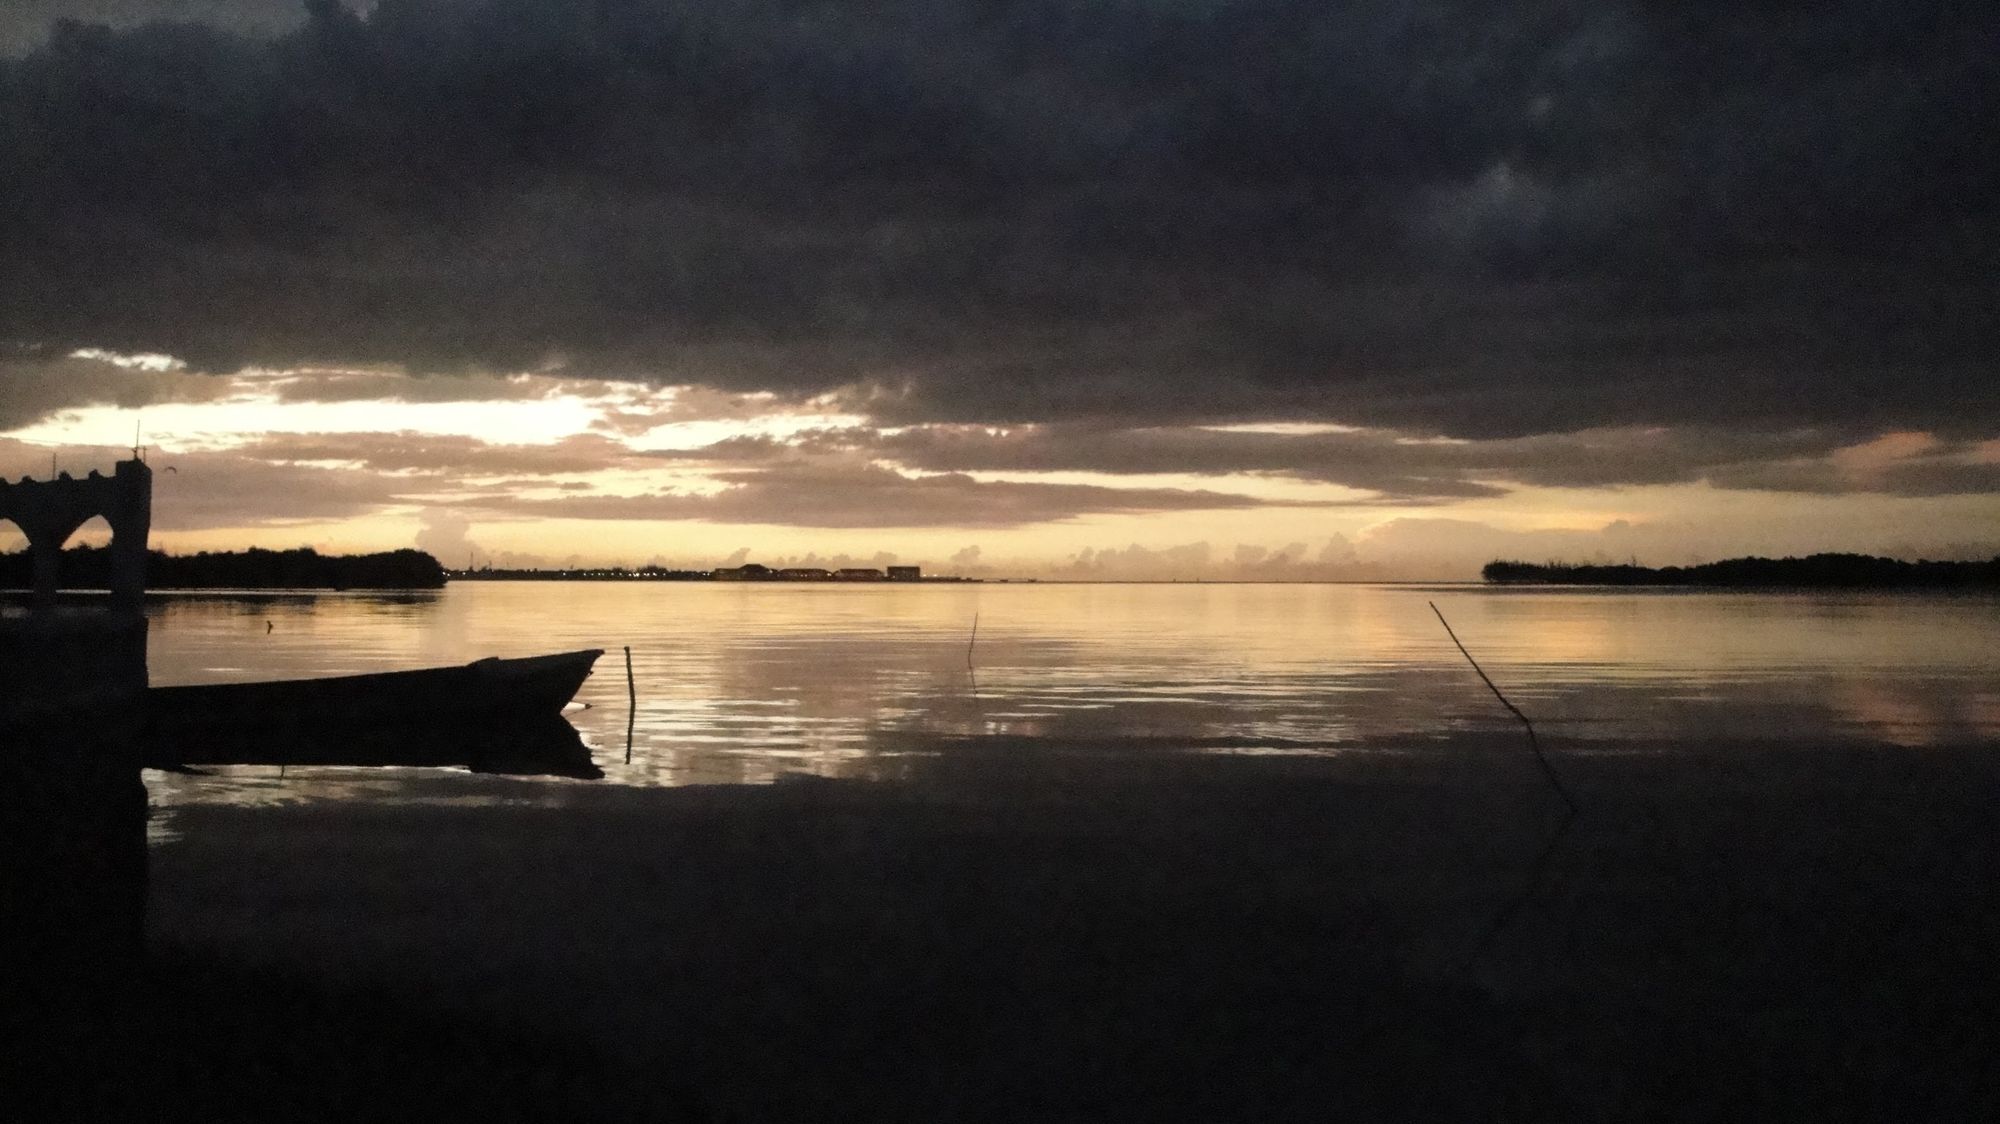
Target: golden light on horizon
691, 475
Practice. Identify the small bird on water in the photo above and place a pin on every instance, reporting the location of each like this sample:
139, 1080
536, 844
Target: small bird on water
268, 626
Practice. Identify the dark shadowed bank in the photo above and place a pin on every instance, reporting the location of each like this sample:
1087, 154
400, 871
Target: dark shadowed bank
89, 567
1857, 571
1106, 930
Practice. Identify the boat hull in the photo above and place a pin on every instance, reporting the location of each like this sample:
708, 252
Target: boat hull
431, 716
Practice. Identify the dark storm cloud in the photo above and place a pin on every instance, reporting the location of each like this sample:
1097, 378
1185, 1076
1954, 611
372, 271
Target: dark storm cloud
26, 23
1950, 469
831, 477
438, 453
1373, 460
33, 391
1942, 478
389, 386
761, 481
1465, 218
1396, 469
870, 496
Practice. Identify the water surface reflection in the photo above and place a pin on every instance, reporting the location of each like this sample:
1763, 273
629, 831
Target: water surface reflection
748, 682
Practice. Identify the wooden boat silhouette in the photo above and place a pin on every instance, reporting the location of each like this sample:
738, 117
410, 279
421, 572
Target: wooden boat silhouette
428, 716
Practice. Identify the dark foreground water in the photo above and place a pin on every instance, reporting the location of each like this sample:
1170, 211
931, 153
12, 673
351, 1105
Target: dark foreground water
1764, 908
749, 682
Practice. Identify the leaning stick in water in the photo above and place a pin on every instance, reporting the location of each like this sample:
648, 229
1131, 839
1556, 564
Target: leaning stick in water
1548, 770
970, 642
631, 704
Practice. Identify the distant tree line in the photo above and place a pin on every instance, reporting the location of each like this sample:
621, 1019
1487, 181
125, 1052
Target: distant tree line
1824, 570
89, 567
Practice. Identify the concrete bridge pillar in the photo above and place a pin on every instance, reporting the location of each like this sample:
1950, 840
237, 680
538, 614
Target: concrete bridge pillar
45, 551
131, 525
72, 703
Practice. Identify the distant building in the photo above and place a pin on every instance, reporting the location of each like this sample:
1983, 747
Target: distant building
749, 572
906, 573
804, 574
858, 574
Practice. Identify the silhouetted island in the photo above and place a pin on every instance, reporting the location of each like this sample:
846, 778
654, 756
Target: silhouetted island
1816, 570
89, 567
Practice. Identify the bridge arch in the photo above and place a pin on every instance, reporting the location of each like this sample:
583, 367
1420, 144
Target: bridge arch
48, 512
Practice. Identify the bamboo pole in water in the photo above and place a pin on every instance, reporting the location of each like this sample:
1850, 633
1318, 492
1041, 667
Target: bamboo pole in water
1539, 869
1548, 770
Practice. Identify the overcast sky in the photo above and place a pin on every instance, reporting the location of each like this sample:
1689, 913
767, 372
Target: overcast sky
1373, 288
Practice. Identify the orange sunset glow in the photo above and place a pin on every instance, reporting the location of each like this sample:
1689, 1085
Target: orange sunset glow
536, 470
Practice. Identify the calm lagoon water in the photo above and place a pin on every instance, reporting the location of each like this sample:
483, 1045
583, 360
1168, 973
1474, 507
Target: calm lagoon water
744, 683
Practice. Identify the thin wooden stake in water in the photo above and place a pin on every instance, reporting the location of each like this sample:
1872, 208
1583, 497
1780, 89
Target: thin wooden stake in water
631, 704
1547, 769
972, 641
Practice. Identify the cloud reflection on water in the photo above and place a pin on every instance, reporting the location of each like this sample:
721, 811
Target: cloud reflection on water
745, 684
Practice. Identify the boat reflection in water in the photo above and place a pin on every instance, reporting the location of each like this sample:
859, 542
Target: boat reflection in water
492, 715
